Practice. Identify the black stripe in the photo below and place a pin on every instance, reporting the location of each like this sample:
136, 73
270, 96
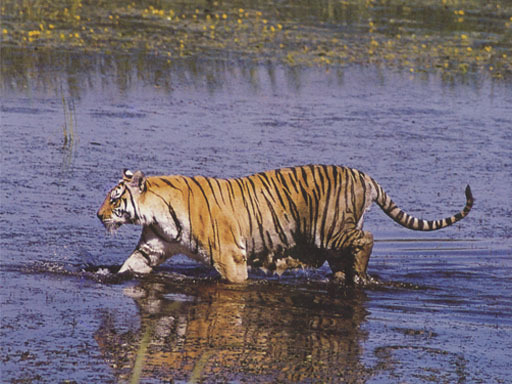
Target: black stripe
169, 183
204, 195
133, 203
252, 197
220, 189
321, 176
326, 209
231, 193
189, 209
295, 179
304, 175
281, 178
244, 200
266, 184
278, 193
213, 192
277, 225
145, 255
172, 212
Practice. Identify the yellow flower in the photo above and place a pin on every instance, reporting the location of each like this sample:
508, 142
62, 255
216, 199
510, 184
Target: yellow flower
488, 48
463, 37
224, 16
5, 31
279, 26
469, 49
51, 26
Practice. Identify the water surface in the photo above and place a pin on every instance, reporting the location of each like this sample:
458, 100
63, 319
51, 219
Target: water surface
442, 315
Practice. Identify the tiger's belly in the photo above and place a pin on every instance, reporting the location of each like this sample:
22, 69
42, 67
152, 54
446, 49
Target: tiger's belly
279, 260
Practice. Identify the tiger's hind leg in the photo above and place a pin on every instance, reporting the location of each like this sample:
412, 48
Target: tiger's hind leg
351, 262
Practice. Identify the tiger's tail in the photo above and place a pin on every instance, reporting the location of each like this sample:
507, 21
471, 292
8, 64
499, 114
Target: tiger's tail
411, 222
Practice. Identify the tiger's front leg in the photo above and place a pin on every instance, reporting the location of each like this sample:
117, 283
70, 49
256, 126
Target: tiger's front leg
232, 266
138, 262
151, 251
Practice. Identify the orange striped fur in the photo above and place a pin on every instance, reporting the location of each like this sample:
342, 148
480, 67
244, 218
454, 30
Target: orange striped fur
290, 217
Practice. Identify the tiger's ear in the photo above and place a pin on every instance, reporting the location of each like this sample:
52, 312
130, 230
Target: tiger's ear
127, 175
138, 180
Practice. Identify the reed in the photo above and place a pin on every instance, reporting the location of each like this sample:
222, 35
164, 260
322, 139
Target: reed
69, 124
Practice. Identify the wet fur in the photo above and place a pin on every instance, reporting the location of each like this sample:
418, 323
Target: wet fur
274, 220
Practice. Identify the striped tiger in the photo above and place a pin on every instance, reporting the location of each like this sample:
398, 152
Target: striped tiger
274, 220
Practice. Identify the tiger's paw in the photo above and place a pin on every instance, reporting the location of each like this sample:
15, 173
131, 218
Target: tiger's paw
357, 280
365, 280
136, 263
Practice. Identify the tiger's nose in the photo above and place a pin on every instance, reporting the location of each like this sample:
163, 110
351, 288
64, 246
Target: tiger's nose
100, 215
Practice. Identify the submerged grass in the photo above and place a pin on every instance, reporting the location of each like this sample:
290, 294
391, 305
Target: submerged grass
69, 121
446, 36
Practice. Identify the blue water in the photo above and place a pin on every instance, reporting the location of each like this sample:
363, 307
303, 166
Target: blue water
444, 314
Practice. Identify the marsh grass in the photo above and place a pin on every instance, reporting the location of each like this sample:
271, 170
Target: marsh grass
447, 36
69, 124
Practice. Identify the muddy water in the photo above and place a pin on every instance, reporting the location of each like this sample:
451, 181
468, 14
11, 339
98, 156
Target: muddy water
443, 313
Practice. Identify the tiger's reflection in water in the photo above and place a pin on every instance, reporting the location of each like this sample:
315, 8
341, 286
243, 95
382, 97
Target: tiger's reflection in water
259, 332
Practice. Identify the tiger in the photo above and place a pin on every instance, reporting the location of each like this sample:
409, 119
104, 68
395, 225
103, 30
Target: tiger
295, 217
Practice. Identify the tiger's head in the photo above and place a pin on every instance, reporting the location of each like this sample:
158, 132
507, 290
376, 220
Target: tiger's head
121, 206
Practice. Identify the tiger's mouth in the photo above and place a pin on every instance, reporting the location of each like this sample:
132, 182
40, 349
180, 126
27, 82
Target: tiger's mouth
111, 226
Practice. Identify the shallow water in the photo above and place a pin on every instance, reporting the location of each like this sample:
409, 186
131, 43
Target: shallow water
443, 313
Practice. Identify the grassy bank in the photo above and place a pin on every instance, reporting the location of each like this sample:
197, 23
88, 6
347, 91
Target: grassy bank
445, 36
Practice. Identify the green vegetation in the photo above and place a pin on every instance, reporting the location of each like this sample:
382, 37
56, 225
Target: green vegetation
445, 36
